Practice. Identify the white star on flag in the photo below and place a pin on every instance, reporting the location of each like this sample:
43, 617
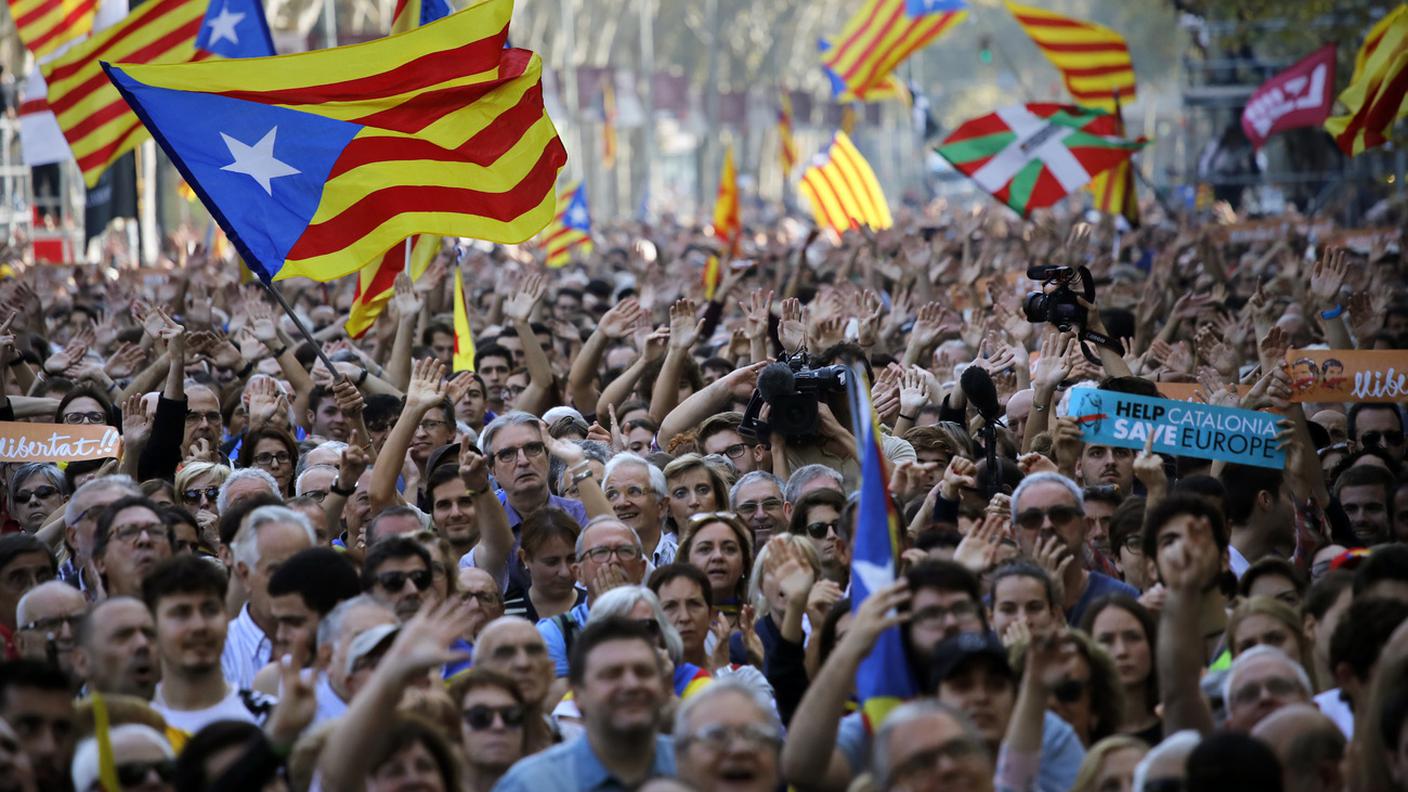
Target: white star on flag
222, 27
576, 216
873, 576
258, 161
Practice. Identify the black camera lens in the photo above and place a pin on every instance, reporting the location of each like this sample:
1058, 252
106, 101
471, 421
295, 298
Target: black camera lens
1035, 307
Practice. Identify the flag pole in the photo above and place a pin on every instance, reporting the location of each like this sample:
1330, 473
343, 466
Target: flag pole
302, 328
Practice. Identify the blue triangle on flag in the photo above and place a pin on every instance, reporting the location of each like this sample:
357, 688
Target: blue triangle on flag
259, 169
577, 215
235, 29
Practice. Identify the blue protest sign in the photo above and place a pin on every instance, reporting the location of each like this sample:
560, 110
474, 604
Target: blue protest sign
1180, 428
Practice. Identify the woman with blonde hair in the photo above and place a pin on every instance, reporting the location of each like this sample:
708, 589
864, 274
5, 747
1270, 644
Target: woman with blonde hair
1109, 765
197, 490
693, 487
1268, 621
787, 570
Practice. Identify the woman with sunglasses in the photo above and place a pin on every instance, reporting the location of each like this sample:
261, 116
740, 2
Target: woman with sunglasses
1089, 696
273, 451
817, 517
36, 491
494, 735
1128, 631
197, 488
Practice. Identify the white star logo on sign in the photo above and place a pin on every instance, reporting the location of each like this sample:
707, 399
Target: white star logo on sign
222, 27
258, 161
1039, 139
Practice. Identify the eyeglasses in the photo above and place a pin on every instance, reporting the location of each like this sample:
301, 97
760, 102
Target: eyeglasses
818, 530
208, 494
1392, 437
1033, 519
131, 774
507, 456
1250, 693
212, 417
317, 495
42, 492
53, 624
482, 716
129, 534
719, 736
395, 581
485, 598
651, 626
1069, 691
429, 425
966, 609
85, 418
767, 505
736, 450
280, 457
954, 750
1133, 543
601, 554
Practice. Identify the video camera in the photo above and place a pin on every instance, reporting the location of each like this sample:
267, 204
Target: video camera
1061, 306
792, 390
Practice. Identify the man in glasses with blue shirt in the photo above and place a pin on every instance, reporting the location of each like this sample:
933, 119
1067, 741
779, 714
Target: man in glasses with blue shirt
609, 554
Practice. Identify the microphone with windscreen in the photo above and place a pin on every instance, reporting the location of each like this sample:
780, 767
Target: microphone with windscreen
776, 379
977, 385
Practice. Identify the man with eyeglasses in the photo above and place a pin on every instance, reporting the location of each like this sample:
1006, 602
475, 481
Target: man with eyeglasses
1048, 515
48, 617
269, 536
727, 736
1262, 680
757, 498
609, 554
620, 685
1378, 425
25, 562
926, 745
142, 760
636, 490
719, 435
81, 522
397, 574
131, 540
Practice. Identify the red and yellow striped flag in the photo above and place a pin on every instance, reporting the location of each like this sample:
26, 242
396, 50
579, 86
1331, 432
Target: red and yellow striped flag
787, 144
608, 123
727, 226
46, 25
1095, 64
411, 14
463, 359
842, 189
879, 37
1377, 94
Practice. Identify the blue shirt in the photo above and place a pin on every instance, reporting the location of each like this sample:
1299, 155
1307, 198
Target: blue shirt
572, 507
572, 767
1097, 586
556, 641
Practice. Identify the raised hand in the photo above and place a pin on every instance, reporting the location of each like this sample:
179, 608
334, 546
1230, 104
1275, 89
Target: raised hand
961, 474
933, 323
791, 330
262, 323
427, 385
349, 399
424, 641
978, 550
123, 362
298, 702
1149, 468
877, 613
66, 358
267, 403
531, 289
684, 327
1328, 276
756, 312
474, 470
1054, 364
1273, 390
136, 424
431, 279
872, 310
1364, 320
1066, 443
458, 386
1273, 347
215, 346
8, 350
1034, 462
620, 321
1051, 554
914, 392
656, 343
353, 463
405, 300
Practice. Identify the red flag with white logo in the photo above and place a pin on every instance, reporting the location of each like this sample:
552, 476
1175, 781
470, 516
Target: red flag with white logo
1300, 96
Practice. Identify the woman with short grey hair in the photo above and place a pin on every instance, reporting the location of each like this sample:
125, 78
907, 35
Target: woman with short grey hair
35, 490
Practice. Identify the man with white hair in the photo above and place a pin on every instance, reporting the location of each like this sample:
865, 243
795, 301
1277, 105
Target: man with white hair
637, 493
609, 554
328, 452
243, 483
349, 619
46, 619
757, 498
270, 535
1048, 514
1262, 680
810, 478
728, 737
1165, 766
81, 525
144, 759
315, 482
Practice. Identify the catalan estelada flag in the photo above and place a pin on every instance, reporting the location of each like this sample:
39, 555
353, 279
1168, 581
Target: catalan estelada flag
1095, 64
376, 280
842, 189
94, 118
884, 679
319, 162
787, 144
46, 25
1377, 94
880, 35
571, 229
463, 359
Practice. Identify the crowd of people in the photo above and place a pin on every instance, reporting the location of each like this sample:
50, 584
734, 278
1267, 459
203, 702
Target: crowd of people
580, 566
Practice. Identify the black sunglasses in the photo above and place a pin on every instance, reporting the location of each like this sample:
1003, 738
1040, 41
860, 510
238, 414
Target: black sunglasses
481, 716
131, 774
1069, 691
1032, 519
1391, 437
818, 530
42, 492
395, 581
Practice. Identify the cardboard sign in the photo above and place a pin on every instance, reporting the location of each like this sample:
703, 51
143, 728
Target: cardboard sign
1186, 391
1348, 375
45, 442
1179, 428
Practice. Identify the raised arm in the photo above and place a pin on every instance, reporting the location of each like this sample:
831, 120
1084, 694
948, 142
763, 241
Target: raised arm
426, 389
1325, 281
1052, 367
280, 347
1188, 568
684, 332
519, 310
615, 323
652, 346
407, 304
495, 545
711, 399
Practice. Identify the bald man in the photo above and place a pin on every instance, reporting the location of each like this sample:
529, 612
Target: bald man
1309, 745
512, 646
47, 619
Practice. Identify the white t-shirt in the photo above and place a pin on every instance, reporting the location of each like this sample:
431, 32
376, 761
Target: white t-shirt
1337, 710
249, 706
